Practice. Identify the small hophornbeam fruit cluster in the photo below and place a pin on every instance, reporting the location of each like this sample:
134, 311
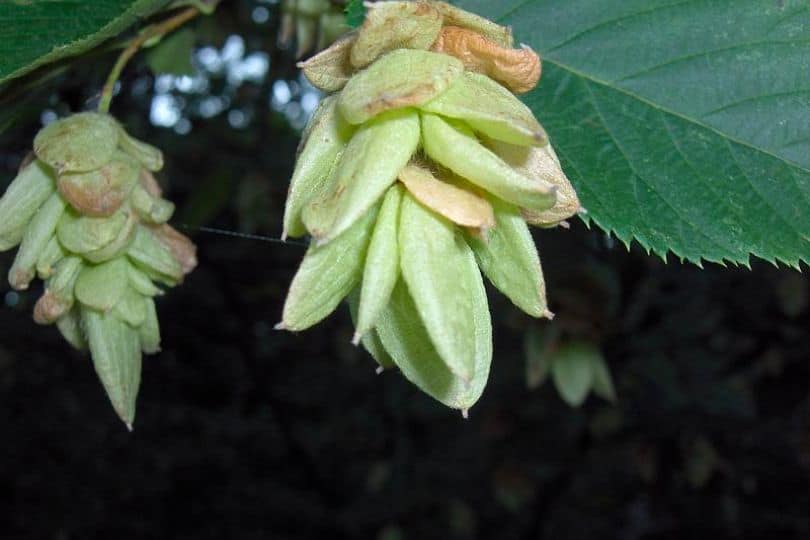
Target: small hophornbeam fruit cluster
418, 173
90, 221
311, 24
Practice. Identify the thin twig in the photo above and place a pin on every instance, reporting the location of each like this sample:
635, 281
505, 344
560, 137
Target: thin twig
159, 29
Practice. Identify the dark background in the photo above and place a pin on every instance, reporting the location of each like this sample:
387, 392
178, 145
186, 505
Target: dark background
244, 432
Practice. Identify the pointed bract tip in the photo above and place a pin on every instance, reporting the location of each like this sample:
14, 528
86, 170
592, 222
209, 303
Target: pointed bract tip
280, 326
284, 235
129, 427
379, 370
582, 210
564, 224
548, 315
465, 413
356, 338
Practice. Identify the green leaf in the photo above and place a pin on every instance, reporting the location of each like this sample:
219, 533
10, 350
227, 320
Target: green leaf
173, 54
684, 125
37, 33
355, 13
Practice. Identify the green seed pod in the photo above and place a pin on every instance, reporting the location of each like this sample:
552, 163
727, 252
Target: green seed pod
118, 246
102, 191
327, 275
79, 143
405, 338
12, 238
24, 196
489, 108
154, 258
151, 209
510, 261
370, 340
484, 159
402, 78
96, 239
131, 308
52, 254
572, 371
101, 286
116, 352
441, 272
146, 154
381, 269
88, 211
391, 26
454, 16
453, 145
141, 282
368, 167
70, 327
179, 245
602, 384
330, 69
149, 331
58, 297
35, 239
541, 162
325, 139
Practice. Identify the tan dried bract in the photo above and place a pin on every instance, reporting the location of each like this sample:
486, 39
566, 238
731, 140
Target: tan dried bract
541, 163
49, 308
458, 205
395, 25
517, 69
330, 69
180, 245
149, 183
454, 16
98, 193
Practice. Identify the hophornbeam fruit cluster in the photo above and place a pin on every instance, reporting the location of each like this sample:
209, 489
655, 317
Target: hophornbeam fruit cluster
90, 221
311, 24
419, 170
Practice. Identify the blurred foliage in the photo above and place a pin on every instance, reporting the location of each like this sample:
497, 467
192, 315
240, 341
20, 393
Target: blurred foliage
248, 433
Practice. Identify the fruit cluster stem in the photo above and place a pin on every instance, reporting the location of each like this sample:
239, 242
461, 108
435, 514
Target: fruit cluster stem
156, 30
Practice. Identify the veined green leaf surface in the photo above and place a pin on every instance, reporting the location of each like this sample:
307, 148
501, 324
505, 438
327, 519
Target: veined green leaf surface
684, 124
36, 32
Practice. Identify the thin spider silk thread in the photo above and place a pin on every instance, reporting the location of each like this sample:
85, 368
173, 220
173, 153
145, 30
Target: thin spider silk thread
246, 236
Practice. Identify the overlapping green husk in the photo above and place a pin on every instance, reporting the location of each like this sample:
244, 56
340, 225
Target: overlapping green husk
429, 183
91, 222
